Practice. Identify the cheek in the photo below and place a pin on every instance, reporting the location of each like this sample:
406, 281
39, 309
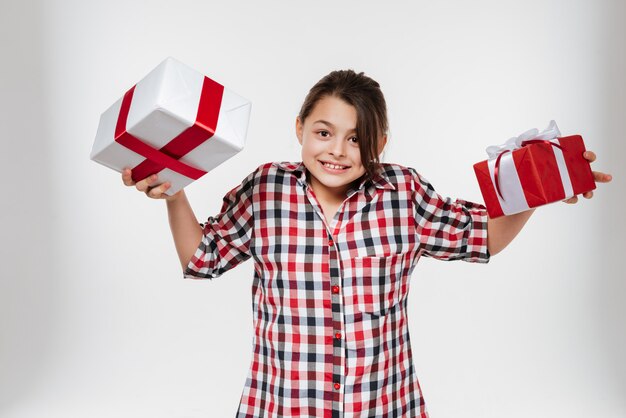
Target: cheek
356, 156
308, 154
311, 147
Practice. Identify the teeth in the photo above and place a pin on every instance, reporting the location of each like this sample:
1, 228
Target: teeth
336, 167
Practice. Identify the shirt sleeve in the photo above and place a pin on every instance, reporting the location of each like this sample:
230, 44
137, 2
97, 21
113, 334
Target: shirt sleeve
449, 230
227, 236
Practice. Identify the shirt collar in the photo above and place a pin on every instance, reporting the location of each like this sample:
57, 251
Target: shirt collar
380, 179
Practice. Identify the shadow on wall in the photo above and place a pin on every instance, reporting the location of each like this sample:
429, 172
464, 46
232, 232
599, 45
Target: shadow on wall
610, 228
24, 271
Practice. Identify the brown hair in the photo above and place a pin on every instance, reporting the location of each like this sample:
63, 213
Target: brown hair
365, 95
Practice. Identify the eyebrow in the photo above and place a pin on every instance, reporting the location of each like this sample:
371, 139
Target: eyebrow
325, 122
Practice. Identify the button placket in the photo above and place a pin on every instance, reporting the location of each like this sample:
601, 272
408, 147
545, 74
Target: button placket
337, 341
335, 291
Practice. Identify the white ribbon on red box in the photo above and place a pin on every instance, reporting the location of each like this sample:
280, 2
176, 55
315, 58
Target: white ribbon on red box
513, 199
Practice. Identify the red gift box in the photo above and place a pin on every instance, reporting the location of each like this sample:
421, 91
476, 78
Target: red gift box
541, 171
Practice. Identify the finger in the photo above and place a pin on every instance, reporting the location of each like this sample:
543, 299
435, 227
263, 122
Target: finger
590, 155
602, 177
571, 200
588, 195
127, 177
143, 185
158, 191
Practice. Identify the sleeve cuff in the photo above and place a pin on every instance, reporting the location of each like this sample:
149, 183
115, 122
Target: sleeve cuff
477, 250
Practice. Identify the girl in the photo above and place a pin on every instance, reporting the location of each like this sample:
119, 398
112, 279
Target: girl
334, 239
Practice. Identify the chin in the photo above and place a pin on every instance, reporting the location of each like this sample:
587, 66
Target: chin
334, 183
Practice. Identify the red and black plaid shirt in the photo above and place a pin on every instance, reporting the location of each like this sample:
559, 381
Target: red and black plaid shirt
331, 334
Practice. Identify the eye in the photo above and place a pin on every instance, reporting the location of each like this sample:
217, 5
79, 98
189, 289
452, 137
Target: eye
354, 140
324, 134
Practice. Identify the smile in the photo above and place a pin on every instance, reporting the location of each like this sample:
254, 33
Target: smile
334, 168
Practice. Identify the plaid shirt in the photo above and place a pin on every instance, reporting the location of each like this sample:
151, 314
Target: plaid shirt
331, 334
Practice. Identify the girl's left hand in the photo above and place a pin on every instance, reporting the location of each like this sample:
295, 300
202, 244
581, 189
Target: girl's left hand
597, 176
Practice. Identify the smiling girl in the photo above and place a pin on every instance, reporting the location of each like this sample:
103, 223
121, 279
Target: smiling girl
335, 238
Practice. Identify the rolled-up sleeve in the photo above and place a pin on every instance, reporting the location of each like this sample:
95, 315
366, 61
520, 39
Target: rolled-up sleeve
449, 230
227, 236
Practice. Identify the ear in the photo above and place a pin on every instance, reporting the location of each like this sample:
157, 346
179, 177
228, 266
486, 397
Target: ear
381, 144
299, 128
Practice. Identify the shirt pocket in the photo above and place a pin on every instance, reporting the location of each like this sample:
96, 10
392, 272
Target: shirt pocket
378, 283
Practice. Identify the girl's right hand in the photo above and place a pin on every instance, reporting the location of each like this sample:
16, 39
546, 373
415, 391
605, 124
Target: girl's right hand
145, 186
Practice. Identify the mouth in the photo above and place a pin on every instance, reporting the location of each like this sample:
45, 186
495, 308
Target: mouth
333, 168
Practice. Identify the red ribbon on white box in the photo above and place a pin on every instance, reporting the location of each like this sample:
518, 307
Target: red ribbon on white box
169, 155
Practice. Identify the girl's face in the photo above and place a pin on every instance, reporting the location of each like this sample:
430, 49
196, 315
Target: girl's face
328, 136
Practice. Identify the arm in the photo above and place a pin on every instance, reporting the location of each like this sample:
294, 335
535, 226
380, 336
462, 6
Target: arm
502, 230
186, 230
219, 244
448, 229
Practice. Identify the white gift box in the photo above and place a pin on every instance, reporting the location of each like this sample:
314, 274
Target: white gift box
175, 122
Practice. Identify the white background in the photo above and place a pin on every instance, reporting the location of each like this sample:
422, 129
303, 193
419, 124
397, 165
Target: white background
95, 318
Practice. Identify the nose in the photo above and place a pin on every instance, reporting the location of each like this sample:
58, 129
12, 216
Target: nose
337, 147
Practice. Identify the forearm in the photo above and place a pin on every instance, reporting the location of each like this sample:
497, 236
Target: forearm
502, 230
186, 231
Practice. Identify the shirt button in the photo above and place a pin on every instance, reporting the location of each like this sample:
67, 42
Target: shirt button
337, 335
335, 289
330, 243
337, 386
